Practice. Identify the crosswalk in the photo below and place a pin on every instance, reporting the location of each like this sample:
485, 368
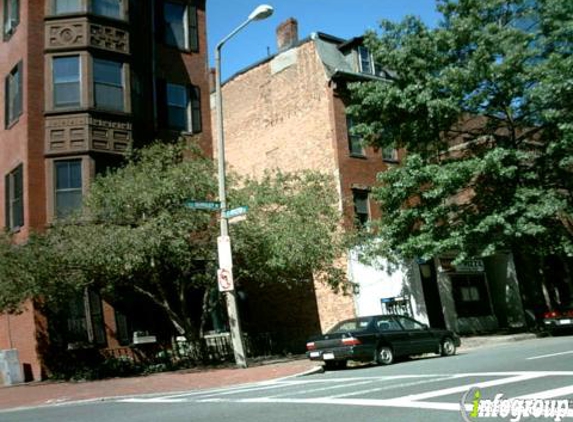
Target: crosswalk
420, 391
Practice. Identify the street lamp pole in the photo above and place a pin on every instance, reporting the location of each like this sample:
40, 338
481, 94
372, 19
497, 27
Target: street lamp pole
260, 13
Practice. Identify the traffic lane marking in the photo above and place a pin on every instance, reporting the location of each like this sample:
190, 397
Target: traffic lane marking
313, 390
550, 355
549, 394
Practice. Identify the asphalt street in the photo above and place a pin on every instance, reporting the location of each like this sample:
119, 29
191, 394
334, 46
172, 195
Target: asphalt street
425, 389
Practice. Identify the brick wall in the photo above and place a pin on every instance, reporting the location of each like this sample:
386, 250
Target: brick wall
280, 114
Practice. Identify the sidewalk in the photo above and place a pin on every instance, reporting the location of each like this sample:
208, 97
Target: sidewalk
46, 393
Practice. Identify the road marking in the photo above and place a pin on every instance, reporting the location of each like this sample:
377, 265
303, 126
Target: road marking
550, 355
312, 390
391, 387
549, 394
466, 387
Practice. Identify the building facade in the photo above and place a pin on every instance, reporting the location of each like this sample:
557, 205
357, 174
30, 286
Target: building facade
82, 81
289, 112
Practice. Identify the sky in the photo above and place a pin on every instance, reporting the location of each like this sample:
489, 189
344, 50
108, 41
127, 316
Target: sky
341, 18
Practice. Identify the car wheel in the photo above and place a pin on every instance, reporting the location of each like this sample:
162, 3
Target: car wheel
384, 355
448, 347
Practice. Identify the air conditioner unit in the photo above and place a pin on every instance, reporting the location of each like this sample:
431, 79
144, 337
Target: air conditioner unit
140, 337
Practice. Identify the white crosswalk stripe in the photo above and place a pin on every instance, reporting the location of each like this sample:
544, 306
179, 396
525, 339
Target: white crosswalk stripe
392, 391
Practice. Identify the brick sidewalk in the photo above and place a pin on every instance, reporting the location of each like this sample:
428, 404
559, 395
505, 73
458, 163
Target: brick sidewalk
45, 393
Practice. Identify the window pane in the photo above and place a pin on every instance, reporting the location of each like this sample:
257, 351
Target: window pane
354, 141
108, 72
108, 84
66, 77
177, 107
175, 24
365, 63
68, 202
67, 6
14, 100
68, 174
111, 8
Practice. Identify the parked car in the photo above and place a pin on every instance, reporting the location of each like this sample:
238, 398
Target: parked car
558, 320
379, 338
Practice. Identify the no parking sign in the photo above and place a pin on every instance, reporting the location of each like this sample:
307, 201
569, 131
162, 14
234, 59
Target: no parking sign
225, 280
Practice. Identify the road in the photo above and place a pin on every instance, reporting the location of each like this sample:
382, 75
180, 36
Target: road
425, 389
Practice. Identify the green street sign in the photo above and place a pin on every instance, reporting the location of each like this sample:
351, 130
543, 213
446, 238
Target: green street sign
203, 205
235, 212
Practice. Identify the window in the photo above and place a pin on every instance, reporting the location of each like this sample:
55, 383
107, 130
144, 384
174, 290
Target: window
366, 62
85, 320
67, 6
183, 108
109, 8
108, 84
354, 141
11, 17
390, 154
66, 79
361, 208
181, 28
13, 89
410, 324
14, 190
470, 295
68, 187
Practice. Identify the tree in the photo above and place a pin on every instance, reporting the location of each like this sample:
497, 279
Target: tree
135, 236
483, 106
292, 232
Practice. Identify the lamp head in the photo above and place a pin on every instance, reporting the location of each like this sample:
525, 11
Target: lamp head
261, 12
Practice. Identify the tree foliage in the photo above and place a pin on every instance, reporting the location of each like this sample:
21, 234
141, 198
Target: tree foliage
483, 106
135, 236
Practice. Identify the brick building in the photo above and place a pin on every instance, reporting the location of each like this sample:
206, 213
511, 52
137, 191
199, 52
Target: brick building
82, 80
288, 111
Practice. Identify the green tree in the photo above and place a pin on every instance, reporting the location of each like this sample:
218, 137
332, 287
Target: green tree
483, 106
135, 236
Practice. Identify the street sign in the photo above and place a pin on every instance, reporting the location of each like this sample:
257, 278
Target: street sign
237, 219
203, 205
224, 250
225, 280
235, 212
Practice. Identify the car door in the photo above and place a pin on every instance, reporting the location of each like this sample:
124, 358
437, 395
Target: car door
422, 340
391, 331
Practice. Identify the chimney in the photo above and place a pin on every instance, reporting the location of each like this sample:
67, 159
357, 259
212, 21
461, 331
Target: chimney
287, 34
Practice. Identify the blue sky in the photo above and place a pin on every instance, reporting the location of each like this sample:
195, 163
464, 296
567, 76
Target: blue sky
342, 18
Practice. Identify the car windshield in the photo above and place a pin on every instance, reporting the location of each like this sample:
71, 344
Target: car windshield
359, 324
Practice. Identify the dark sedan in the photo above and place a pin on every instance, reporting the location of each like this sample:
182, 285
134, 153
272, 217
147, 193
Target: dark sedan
379, 338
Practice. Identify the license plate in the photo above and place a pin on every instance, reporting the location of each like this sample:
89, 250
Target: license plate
564, 321
314, 354
328, 356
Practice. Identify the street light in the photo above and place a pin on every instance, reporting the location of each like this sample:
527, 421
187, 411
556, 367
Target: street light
261, 12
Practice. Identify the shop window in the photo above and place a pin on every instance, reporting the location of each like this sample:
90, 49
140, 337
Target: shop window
470, 295
14, 191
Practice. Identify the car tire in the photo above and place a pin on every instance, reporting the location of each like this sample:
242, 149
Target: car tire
384, 355
447, 347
